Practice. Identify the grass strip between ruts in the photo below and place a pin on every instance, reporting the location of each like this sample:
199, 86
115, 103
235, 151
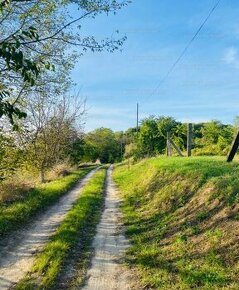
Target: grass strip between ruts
73, 231
13, 215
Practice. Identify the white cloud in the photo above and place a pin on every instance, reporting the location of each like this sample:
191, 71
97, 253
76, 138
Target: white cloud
231, 56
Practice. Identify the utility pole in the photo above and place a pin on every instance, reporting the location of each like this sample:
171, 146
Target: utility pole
137, 118
121, 148
168, 148
189, 139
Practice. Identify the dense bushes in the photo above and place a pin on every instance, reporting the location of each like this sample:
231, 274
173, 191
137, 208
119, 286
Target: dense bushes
211, 138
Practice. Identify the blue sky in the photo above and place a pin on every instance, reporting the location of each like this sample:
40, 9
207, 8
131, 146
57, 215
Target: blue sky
203, 86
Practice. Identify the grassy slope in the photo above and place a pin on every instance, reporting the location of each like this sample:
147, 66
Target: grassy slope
76, 229
182, 218
14, 214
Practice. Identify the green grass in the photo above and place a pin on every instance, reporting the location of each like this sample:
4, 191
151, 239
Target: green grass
75, 232
17, 213
182, 219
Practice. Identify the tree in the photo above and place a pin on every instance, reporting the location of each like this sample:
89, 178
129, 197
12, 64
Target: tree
102, 144
35, 35
166, 124
148, 139
215, 138
54, 130
36, 56
11, 155
153, 135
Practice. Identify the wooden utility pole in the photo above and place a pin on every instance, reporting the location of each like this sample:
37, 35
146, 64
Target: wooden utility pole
137, 118
233, 151
121, 148
189, 139
168, 149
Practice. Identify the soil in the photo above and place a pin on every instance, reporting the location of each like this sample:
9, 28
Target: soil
107, 271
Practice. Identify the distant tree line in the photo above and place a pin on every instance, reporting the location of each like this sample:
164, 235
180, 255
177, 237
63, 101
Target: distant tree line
50, 135
209, 138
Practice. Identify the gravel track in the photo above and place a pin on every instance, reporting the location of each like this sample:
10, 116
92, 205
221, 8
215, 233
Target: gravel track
107, 271
18, 251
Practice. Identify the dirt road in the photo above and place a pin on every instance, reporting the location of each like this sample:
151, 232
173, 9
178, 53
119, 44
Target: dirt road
17, 252
107, 271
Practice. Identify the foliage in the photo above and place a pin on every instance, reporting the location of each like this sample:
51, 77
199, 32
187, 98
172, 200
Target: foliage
211, 138
216, 139
36, 37
75, 229
149, 141
54, 131
36, 57
153, 135
10, 156
102, 144
179, 215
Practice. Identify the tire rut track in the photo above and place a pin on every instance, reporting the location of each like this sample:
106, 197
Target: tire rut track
110, 244
18, 251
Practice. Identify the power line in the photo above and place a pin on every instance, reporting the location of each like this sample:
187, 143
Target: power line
186, 48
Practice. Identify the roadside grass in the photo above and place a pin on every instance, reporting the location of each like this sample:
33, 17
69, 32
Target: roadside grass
16, 186
74, 234
16, 213
182, 219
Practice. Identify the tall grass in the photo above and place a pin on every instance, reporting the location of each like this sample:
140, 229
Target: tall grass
182, 219
18, 212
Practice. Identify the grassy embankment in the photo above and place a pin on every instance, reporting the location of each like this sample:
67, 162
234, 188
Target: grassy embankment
15, 213
71, 242
182, 219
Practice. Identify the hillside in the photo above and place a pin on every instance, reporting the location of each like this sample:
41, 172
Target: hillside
182, 218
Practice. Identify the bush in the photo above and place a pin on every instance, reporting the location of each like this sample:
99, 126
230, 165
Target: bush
60, 170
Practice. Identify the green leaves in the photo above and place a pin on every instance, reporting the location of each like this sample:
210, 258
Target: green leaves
101, 144
4, 4
16, 60
29, 70
49, 66
9, 110
30, 33
37, 34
